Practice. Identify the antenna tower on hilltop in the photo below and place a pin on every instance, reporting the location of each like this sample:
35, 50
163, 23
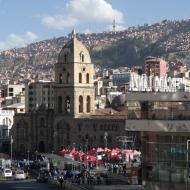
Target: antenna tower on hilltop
114, 25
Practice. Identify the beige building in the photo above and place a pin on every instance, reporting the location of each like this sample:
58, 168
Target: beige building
38, 94
73, 121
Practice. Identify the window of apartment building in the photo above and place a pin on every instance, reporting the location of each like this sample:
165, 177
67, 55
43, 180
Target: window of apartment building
10, 89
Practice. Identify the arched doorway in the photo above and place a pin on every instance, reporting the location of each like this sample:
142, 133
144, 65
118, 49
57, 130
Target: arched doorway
41, 146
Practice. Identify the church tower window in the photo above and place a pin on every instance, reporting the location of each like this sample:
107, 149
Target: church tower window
67, 104
88, 104
65, 58
82, 57
59, 103
80, 104
60, 78
80, 78
68, 78
87, 78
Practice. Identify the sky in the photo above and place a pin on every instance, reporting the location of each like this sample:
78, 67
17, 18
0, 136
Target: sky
26, 21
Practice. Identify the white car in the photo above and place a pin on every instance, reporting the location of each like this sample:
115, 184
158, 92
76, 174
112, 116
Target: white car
19, 174
7, 172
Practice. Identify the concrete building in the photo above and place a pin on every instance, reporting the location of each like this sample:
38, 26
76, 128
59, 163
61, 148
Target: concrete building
14, 89
155, 67
162, 121
38, 94
120, 79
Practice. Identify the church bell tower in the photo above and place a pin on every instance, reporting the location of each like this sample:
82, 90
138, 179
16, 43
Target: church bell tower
74, 85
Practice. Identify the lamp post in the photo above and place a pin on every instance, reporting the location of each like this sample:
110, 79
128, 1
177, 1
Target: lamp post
28, 156
11, 149
106, 139
187, 164
36, 154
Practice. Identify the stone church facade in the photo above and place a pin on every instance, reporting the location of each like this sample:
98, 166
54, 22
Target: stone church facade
73, 122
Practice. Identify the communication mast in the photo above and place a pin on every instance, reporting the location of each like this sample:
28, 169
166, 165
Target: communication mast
114, 25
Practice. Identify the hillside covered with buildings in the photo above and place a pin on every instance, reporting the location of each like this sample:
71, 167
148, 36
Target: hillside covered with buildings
167, 39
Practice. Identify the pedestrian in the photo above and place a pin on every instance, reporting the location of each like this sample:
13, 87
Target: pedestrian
61, 181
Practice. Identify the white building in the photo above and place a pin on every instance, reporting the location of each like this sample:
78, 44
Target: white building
6, 123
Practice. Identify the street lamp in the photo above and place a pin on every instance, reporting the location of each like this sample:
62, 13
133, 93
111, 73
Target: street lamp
187, 164
106, 139
36, 154
11, 149
28, 156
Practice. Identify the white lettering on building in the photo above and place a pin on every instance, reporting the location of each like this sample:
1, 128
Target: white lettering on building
157, 84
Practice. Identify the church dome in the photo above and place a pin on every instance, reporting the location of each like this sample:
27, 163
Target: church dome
74, 51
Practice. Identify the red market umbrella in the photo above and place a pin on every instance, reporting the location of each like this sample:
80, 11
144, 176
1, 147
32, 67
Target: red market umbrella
89, 158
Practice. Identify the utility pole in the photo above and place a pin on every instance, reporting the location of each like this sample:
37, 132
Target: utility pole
11, 149
187, 165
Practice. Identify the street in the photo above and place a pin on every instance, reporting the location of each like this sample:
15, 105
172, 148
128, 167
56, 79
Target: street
30, 184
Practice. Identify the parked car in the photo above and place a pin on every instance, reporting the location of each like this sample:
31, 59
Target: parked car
19, 174
7, 173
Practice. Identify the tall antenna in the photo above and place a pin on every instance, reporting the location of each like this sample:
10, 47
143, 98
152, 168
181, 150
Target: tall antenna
114, 25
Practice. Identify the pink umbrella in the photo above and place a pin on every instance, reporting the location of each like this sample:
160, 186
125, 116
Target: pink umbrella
107, 150
99, 150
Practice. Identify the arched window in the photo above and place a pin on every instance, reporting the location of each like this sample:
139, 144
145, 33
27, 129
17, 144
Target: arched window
87, 78
42, 122
60, 78
65, 58
68, 78
67, 104
80, 78
59, 103
81, 57
88, 104
80, 104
